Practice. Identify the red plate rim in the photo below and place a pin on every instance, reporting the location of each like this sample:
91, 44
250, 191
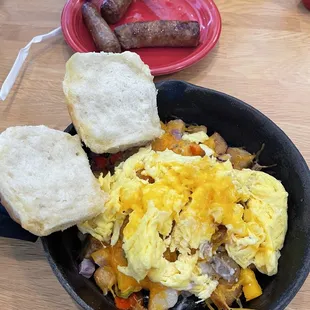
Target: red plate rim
197, 56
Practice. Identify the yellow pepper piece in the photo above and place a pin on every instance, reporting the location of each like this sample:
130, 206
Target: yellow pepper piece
210, 143
251, 288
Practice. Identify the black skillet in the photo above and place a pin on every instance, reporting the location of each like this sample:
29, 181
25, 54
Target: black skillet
240, 125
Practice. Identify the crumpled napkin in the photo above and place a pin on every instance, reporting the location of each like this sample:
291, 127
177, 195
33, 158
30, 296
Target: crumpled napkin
22, 55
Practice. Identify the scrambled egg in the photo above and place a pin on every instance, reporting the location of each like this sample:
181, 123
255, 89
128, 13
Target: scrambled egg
265, 213
198, 137
178, 204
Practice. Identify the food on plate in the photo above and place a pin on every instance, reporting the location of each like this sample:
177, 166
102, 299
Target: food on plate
159, 33
46, 183
184, 218
104, 38
111, 99
113, 10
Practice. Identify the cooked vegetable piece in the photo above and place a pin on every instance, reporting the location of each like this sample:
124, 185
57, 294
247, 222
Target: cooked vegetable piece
177, 134
206, 268
258, 167
99, 163
219, 237
92, 245
86, 268
125, 285
225, 294
206, 250
162, 300
252, 267
114, 158
136, 301
250, 286
121, 232
122, 303
101, 257
193, 129
133, 302
226, 267
105, 278
106, 162
217, 143
166, 141
196, 150
223, 157
177, 124
240, 158
170, 142
175, 128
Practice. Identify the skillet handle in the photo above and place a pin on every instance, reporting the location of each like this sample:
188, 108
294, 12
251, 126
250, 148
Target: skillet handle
10, 229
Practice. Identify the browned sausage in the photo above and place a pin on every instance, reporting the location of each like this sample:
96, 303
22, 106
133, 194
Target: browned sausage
104, 38
159, 33
113, 10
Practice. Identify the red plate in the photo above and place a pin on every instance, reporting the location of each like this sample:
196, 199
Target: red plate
160, 60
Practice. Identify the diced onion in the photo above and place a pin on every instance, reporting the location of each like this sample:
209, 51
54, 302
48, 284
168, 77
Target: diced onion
86, 268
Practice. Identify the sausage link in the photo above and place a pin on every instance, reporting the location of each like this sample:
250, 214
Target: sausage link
113, 10
104, 38
159, 33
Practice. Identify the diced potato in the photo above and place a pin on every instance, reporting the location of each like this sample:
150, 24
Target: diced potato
171, 140
240, 158
166, 141
177, 124
217, 143
101, 257
105, 278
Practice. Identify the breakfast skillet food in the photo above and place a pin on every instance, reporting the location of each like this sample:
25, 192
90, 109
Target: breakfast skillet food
184, 214
184, 219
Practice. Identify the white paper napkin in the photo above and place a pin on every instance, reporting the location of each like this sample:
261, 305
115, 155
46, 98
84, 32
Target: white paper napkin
22, 55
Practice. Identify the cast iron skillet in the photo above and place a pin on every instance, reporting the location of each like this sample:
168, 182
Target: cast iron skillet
240, 125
